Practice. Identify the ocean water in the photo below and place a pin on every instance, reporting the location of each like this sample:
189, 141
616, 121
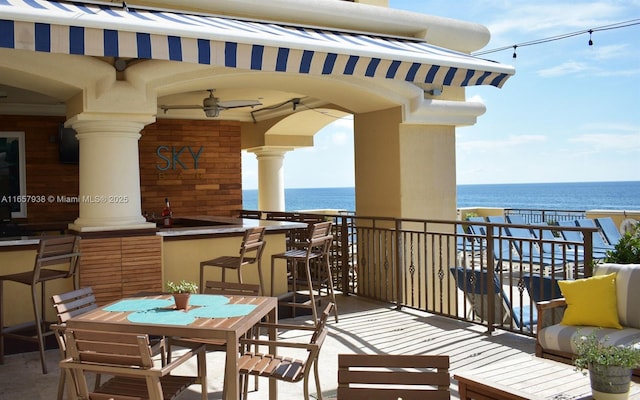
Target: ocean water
548, 196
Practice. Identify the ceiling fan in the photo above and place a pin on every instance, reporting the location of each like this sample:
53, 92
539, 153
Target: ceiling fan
212, 105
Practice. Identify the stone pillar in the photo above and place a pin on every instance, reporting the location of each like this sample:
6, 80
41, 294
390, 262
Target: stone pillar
109, 193
270, 177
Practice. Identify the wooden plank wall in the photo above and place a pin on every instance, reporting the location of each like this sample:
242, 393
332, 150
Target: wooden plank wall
46, 175
213, 188
121, 266
212, 185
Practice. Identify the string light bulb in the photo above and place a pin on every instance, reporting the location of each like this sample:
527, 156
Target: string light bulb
590, 41
514, 52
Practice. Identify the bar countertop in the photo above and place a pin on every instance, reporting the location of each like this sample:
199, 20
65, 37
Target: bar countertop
183, 227
209, 225
19, 241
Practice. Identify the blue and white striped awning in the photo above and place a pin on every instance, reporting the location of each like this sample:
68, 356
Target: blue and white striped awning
111, 31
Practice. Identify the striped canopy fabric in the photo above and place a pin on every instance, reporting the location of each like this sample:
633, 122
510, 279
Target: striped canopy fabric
127, 32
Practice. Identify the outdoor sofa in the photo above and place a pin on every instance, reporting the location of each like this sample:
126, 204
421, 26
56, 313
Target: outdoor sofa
555, 340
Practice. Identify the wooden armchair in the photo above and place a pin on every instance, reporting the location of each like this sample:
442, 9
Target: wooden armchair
390, 376
284, 368
550, 312
127, 358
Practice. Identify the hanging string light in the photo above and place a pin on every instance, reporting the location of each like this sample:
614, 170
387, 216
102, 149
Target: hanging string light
618, 25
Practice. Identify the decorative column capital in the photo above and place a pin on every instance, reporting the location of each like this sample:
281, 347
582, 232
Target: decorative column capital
270, 151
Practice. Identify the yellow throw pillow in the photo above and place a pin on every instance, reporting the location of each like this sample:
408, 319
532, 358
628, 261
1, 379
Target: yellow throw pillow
591, 301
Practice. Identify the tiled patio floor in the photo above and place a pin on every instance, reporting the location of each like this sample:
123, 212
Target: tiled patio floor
364, 326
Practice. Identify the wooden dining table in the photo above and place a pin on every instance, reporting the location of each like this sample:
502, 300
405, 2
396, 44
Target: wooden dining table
208, 317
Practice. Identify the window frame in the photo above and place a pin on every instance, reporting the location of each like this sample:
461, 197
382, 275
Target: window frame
22, 172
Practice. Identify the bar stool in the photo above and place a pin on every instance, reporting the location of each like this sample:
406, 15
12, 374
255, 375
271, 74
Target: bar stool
51, 251
252, 244
315, 248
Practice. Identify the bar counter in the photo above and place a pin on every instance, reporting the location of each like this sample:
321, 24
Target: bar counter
121, 263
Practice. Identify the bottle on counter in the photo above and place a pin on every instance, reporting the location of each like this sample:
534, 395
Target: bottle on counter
167, 215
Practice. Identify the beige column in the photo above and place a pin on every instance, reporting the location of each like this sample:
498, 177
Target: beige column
270, 177
109, 193
404, 170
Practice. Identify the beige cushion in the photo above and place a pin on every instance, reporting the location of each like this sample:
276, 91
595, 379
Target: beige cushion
560, 337
627, 289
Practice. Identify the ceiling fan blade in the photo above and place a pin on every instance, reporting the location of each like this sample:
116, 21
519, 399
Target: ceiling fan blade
238, 103
180, 107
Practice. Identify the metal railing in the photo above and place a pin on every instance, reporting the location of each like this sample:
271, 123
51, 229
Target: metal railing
447, 267
532, 216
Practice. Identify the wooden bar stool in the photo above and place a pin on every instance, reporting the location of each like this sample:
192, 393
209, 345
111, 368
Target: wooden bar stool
250, 253
314, 248
51, 251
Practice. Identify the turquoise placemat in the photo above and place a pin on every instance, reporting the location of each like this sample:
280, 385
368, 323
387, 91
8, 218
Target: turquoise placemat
138, 305
161, 316
207, 300
224, 311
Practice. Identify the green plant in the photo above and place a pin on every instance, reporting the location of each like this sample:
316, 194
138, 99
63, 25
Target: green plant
470, 215
591, 350
627, 250
182, 287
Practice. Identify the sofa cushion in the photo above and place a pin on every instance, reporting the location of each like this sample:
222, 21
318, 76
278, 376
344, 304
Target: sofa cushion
627, 289
591, 301
561, 337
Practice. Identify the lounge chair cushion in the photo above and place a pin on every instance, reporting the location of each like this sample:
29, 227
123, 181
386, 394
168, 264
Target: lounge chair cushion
627, 293
584, 309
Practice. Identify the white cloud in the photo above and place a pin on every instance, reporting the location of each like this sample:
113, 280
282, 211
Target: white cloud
567, 68
508, 143
555, 17
621, 143
610, 52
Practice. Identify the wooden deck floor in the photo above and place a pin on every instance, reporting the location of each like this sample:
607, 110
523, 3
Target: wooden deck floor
364, 327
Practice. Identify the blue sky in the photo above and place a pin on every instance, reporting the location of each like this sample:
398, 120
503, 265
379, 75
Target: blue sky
570, 114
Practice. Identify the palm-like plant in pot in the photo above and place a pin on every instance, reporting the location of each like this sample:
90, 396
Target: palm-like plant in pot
609, 366
627, 250
181, 292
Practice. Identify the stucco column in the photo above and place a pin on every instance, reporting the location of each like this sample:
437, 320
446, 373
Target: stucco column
109, 193
270, 177
404, 170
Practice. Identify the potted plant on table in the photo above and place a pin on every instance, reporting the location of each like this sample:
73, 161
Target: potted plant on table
609, 366
181, 292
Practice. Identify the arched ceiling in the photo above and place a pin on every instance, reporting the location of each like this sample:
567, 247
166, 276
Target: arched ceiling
26, 88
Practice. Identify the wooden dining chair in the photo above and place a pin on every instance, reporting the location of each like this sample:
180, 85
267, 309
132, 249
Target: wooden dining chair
224, 289
77, 302
391, 376
250, 253
281, 367
68, 305
126, 358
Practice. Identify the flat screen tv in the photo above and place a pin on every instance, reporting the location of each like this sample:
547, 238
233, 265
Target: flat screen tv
69, 149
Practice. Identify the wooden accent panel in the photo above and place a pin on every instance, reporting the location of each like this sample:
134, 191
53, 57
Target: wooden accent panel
141, 264
212, 186
101, 267
116, 267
